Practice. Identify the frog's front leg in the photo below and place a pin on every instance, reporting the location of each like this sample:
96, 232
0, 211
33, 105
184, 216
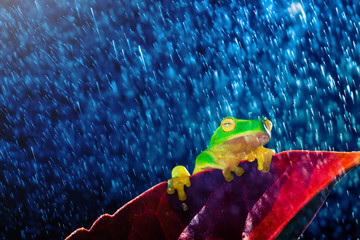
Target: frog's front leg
227, 172
208, 160
251, 157
179, 177
264, 156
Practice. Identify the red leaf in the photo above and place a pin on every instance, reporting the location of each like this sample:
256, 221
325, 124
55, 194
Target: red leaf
256, 205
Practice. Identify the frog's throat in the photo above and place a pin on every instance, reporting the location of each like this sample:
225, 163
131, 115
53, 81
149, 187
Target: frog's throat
248, 138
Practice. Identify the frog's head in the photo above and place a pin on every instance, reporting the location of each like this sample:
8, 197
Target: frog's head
237, 131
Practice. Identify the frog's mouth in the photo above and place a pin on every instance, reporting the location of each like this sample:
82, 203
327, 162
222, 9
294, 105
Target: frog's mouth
251, 140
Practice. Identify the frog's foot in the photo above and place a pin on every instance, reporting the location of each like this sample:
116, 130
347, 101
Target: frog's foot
179, 177
239, 171
264, 156
251, 157
267, 159
227, 174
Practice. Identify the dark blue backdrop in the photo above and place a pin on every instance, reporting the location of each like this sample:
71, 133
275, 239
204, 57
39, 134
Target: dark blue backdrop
100, 99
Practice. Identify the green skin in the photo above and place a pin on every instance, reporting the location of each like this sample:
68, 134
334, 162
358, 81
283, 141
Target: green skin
233, 142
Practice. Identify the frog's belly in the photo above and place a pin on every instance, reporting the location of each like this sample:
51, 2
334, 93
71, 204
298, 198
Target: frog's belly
246, 143
236, 150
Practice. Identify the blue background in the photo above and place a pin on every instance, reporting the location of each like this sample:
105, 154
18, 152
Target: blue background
100, 99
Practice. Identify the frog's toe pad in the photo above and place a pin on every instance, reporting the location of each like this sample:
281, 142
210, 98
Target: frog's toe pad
177, 183
170, 188
239, 171
266, 169
251, 157
260, 165
228, 175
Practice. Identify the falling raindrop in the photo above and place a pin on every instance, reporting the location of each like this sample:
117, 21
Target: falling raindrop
98, 106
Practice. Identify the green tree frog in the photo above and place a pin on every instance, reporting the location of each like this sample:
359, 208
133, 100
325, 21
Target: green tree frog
234, 141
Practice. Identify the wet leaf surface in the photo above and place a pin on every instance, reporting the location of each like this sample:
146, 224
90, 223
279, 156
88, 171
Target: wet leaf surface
278, 204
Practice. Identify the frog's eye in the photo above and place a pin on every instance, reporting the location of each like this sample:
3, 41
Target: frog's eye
228, 124
268, 124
